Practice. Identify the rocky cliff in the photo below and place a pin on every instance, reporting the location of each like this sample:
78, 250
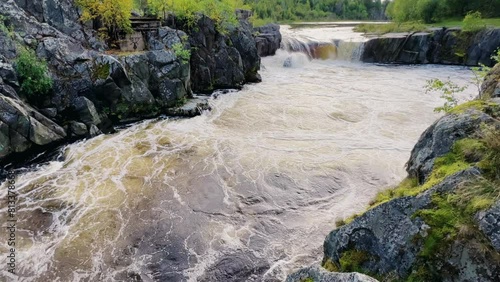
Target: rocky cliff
438, 46
442, 223
95, 88
268, 39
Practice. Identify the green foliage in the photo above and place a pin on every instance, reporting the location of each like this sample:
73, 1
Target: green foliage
330, 266
33, 74
114, 15
473, 22
3, 27
482, 70
221, 11
308, 279
352, 260
181, 53
447, 90
391, 27
292, 10
491, 163
430, 11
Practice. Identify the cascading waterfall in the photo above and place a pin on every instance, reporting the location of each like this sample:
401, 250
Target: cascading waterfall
345, 49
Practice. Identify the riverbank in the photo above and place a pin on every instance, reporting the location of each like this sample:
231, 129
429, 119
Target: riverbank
93, 88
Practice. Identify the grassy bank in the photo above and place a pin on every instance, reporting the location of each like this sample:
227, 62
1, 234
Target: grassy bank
417, 26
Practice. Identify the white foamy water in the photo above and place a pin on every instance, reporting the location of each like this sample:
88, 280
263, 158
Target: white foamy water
255, 185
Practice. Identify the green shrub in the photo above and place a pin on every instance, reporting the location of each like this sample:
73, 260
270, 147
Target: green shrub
448, 89
33, 74
473, 22
181, 53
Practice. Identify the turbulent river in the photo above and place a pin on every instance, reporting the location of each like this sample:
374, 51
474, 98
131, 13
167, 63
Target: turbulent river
247, 191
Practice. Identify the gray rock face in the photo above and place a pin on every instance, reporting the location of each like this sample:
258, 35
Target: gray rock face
64, 16
85, 111
491, 84
387, 234
77, 128
8, 74
219, 61
319, 274
438, 139
440, 46
268, 39
22, 127
489, 223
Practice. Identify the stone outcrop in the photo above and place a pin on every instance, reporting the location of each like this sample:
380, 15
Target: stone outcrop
491, 84
94, 89
221, 60
319, 274
22, 127
438, 46
268, 39
438, 139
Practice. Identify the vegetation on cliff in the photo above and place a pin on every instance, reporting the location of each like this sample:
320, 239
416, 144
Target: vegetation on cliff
33, 75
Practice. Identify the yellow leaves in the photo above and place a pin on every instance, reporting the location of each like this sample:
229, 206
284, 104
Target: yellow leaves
113, 13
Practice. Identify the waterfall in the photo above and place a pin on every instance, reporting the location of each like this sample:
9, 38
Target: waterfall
332, 48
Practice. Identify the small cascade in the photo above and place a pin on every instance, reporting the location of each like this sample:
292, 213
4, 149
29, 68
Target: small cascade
331, 49
349, 51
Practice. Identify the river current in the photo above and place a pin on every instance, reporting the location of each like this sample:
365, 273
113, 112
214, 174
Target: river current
248, 190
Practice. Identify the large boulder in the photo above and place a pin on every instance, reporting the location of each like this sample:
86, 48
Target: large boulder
22, 127
439, 138
268, 39
388, 238
489, 224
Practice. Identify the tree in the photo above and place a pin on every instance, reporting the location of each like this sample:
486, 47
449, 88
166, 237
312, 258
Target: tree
114, 15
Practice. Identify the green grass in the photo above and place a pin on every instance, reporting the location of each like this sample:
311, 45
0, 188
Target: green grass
390, 27
457, 22
417, 26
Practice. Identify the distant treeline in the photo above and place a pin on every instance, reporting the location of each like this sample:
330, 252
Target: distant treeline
430, 11
283, 10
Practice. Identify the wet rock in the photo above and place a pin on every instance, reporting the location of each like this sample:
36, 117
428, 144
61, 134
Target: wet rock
244, 42
49, 112
77, 128
288, 62
193, 107
319, 274
85, 111
268, 39
94, 131
8, 74
22, 127
8, 91
239, 266
489, 223
438, 139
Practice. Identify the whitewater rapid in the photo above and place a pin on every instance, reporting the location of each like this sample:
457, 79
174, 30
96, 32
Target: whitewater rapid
251, 188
